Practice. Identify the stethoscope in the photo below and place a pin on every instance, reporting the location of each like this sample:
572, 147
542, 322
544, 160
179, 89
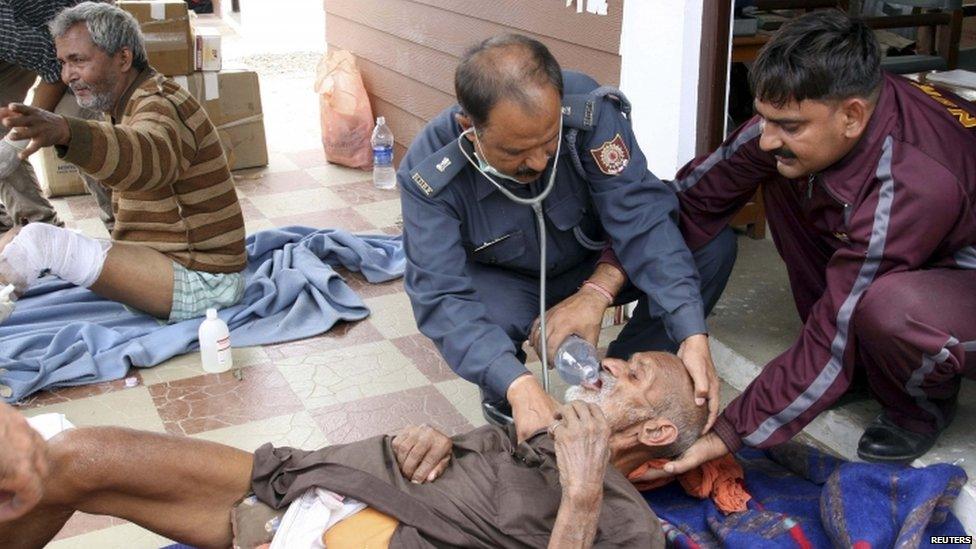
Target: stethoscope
536, 204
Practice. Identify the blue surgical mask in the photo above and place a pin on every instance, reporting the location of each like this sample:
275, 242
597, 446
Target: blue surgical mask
483, 164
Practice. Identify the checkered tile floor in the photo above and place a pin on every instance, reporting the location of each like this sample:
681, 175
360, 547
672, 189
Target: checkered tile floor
358, 380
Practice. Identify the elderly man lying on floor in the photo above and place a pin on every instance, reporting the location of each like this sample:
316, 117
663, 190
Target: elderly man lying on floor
178, 243
419, 488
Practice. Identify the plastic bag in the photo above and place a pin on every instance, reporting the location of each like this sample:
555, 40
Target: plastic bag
347, 119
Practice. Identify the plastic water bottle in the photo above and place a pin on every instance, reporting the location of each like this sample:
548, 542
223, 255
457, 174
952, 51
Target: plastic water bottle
577, 362
384, 177
214, 340
7, 302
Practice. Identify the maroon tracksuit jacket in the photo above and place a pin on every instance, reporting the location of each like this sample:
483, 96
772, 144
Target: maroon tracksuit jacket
904, 200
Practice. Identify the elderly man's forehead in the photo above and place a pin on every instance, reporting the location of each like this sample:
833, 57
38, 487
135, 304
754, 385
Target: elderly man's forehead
656, 360
76, 35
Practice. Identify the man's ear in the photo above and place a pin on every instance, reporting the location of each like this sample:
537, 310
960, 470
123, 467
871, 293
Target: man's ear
125, 59
856, 112
465, 122
657, 432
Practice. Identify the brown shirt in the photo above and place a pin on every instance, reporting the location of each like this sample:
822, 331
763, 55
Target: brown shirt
172, 189
494, 494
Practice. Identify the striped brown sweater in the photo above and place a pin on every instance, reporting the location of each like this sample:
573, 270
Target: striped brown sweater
172, 189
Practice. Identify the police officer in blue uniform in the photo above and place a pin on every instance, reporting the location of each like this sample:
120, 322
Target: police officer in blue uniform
473, 249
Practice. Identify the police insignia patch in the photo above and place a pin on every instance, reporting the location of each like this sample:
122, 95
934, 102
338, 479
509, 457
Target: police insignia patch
612, 156
422, 183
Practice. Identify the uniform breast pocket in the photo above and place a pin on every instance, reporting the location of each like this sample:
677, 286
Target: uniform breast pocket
501, 250
566, 213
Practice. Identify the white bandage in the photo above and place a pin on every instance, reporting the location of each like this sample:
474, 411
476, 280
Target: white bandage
70, 256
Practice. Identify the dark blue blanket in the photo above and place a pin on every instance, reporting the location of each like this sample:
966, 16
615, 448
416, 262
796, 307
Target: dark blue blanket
62, 335
805, 498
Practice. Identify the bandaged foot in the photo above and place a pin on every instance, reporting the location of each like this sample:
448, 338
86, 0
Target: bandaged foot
7, 304
40, 248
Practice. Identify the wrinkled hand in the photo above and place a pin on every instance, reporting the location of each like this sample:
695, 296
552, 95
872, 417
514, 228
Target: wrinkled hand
422, 453
23, 465
42, 127
582, 442
532, 408
697, 357
580, 314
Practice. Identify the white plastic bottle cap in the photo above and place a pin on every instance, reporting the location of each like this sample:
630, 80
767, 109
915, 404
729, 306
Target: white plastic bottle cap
380, 120
211, 313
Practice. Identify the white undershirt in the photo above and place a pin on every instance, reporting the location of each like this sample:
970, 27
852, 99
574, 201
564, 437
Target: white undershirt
309, 516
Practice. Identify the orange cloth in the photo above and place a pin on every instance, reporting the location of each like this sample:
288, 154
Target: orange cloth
719, 479
367, 529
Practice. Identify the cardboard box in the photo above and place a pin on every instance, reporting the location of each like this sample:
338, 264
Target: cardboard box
165, 27
232, 99
207, 51
57, 177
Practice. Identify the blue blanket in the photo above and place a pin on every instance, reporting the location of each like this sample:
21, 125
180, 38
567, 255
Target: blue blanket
62, 335
805, 498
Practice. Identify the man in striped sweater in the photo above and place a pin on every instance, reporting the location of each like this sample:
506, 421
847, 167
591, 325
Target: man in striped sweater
178, 243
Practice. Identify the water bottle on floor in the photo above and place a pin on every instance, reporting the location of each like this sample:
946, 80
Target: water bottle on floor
577, 362
214, 338
384, 177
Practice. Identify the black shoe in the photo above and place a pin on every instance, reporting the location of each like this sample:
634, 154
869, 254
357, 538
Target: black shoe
498, 414
885, 442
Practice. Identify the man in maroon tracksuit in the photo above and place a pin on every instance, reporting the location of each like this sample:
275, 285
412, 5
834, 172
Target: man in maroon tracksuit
869, 182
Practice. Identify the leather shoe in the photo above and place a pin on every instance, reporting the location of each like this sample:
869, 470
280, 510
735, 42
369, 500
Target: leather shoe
498, 413
885, 442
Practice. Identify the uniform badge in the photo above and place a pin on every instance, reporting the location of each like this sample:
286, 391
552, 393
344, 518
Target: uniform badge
422, 183
443, 164
842, 236
612, 156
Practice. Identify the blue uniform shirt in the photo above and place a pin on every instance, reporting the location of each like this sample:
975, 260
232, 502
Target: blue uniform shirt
452, 214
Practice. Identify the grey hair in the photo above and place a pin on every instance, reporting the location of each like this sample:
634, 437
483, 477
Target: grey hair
110, 28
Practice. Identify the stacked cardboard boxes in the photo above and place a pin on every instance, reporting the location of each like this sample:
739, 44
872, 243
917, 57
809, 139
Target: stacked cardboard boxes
232, 99
167, 33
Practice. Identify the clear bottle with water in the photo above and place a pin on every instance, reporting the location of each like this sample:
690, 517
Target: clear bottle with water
577, 362
384, 176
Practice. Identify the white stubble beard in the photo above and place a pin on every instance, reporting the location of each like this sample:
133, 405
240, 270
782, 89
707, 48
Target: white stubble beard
576, 392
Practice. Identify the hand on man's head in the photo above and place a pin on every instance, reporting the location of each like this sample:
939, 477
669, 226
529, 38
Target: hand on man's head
697, 358
41, 127
704, 449
23, 465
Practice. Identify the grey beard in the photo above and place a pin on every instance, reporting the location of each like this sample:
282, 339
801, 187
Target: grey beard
576, 392
101, 102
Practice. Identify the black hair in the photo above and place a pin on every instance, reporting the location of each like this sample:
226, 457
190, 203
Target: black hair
503, 67
822, 56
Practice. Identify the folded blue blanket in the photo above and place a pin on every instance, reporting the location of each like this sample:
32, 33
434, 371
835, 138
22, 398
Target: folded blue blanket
805, 498
61, 335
